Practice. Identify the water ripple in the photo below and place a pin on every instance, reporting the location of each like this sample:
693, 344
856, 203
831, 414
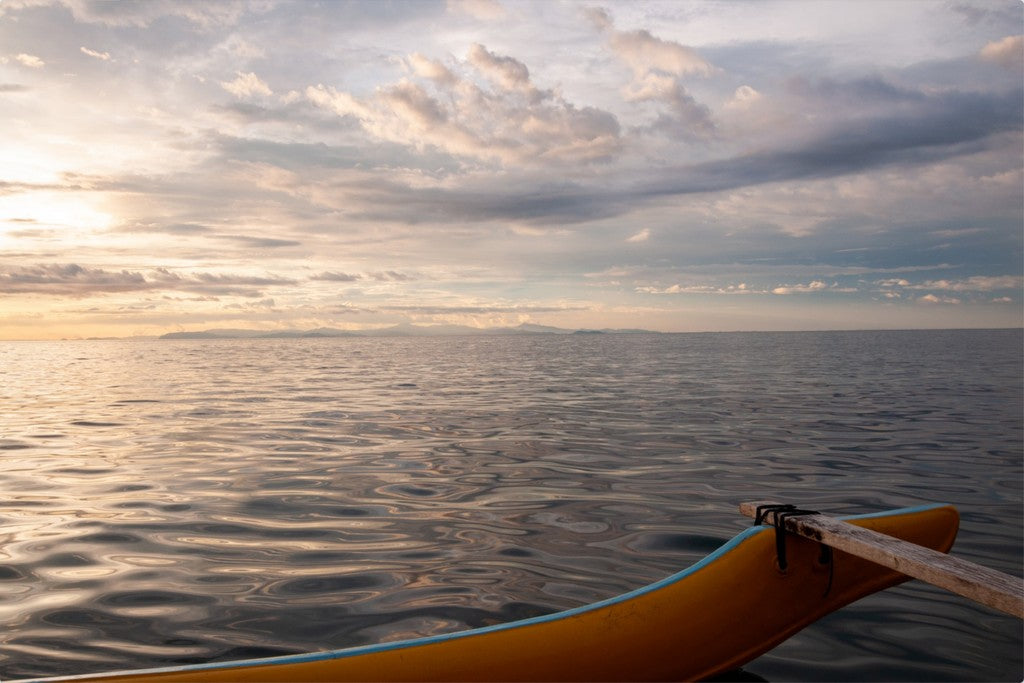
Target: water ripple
175, 502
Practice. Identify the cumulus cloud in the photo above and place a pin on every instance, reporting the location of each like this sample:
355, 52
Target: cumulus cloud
682, 115
934, 299
431, 69
1008, 52
508, 72
341, 103
645, 53
815, 286
31, 61
414, 107
974, 288
516, 123
658, 68
744, 97
104, 56
247, 85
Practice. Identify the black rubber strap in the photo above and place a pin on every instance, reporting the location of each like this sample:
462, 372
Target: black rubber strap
762, 511
782, 513
780, 532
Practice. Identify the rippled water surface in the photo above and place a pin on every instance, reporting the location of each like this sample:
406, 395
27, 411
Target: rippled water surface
170, 502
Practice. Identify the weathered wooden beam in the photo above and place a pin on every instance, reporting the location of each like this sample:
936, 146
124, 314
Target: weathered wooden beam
981, 584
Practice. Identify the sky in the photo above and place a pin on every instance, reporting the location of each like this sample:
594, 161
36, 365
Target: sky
676, 166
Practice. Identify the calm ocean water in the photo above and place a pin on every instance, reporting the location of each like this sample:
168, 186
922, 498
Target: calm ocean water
172, 502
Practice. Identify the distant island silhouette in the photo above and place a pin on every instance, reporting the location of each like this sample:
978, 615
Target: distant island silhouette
404, 330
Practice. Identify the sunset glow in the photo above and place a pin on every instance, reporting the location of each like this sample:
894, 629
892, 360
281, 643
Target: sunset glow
673, 166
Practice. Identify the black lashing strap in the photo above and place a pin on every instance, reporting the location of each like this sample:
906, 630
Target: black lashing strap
782, 513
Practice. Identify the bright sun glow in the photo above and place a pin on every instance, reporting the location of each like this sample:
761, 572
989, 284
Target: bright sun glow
49, 210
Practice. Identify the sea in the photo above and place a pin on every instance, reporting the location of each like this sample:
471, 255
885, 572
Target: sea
166, 502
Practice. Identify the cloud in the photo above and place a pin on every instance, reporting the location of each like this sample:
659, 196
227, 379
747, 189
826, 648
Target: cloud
391, 276
682, 116
658, 68
641, 236
142, 13
933, 299
477, 162
484, 10
599, 18
517, 124
260, 242
341, 103
330, 276
646, 54
815, 286
922, 128
247, 85
741, 288
744, 97
510, 73
978, 283
216, 283
165, 228
30, 61
896, 127
1008, 52
93, 53
14, 5
78, 281
559, 201
71, 279
431, 69
263, 304
478, 310
348, 309
414, 107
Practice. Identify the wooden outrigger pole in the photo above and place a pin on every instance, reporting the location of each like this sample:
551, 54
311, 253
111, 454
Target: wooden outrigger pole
981, 584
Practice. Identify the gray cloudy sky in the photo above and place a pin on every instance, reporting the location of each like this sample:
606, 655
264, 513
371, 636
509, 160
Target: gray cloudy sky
171, 165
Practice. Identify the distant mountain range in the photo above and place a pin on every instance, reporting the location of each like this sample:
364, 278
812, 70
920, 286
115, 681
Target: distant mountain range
404, 330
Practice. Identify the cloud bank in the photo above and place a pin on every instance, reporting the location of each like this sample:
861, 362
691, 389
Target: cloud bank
651, 165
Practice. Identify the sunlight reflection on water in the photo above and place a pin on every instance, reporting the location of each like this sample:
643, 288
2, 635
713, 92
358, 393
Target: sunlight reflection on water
170, 502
